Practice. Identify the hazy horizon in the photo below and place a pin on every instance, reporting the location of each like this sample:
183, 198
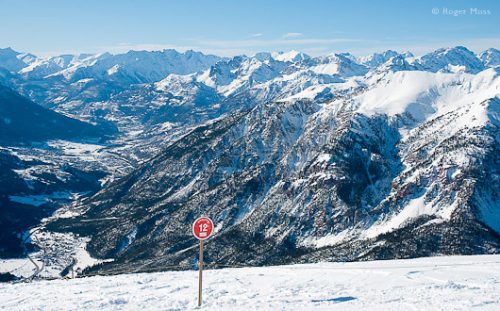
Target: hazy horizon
227, 28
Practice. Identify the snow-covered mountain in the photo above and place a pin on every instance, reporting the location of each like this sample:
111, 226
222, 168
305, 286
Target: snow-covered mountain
131, 67
490, 57
100, 86
377, 59
451, 60
14, 61
41, 68
290, 56
342, 64
296, 158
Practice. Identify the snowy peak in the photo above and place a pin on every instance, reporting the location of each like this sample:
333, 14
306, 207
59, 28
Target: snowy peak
396, 63
451, 60
41, 68
27, 58
422, 94
12, 60
186, 90
130, 67
138, 66
291, 56
490, 57
341, 64
222, 72
377, 59
263, 56
241, 73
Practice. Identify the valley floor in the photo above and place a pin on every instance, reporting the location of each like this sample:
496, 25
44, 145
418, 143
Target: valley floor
437, 283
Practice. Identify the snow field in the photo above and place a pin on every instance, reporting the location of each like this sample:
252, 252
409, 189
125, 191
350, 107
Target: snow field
436, 283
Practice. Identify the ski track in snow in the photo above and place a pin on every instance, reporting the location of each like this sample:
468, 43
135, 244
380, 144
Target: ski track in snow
435, 283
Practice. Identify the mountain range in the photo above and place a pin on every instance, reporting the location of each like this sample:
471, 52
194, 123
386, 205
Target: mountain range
295, 158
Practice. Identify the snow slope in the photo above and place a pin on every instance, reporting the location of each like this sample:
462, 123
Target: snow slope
423, 93
438, 283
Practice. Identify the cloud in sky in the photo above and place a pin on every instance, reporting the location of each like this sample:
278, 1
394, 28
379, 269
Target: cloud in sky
292, 35
256, 35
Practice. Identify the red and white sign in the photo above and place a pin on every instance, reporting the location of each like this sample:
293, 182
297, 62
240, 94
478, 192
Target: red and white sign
203, 228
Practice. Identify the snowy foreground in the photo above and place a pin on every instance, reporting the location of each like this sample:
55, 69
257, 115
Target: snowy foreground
439, 283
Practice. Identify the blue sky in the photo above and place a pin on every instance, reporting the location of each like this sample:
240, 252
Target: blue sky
49, 27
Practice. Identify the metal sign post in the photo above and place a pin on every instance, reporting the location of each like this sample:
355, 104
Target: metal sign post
202, 229
200, 273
